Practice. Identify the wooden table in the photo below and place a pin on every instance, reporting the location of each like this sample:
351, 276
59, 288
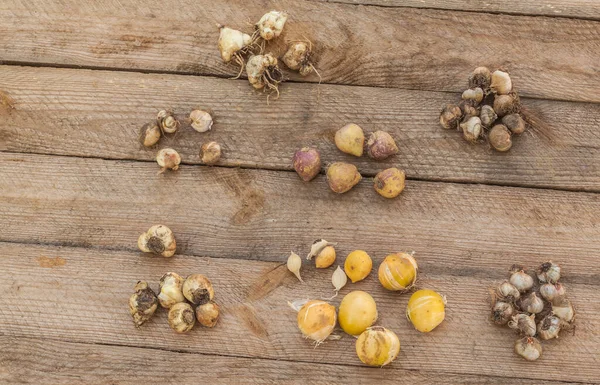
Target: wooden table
78, 80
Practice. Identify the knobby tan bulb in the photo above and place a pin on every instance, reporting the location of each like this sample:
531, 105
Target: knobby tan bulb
529, 348
167, 121
514, 123
271, 24
168, 159
150, 134
181, 317
501, 82
481, 77
474, 94
231, 42
471, 129
298, 57
159, 239
263, 70
142, 303
201, 120
499, 138
502, 312
170, 290
523, 323
487, 115
450, 116
197, 289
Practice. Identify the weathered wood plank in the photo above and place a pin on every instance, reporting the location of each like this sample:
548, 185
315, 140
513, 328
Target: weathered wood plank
258, 214
585, 9
33, 361
85, 300
98, 113
555, 58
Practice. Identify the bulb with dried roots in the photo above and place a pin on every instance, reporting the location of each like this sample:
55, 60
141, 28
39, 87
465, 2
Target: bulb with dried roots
263, 71
298, 58
233, 44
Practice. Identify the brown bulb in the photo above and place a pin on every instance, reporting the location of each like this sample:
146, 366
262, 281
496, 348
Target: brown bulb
450, 116
499, 138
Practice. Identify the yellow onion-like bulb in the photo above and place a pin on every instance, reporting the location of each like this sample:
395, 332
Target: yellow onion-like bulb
377, 346
426, 310
316, 320
398, 271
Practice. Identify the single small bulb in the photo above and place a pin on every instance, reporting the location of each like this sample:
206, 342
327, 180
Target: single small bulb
307, 163
531, 303
271, 24
521, 280
502, 312
524, 323
549, 327
381, 145
549, 291
181, 317
398, 271
318, 246
231, 42
474, 94
563, 309
377, 346
142, 303
390, 182
515, 123
168, 159
294, 263
298, 57
211, 153
506, 290
339, 280
357, 312
358, 265
316, 320
197, 289
150, 134
548, 272
342, 176
159, 239
501, 82
201, 120
350, 139
167, 121
529, 348
487, 115
481, 77
171, 290
426, 310
471, 129
450, 116
325, 258
208, 314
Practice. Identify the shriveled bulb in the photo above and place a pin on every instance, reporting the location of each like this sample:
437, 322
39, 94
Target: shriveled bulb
316, 320
529, 348
339, 280
142, 303
481, 77
201, 120
168, 159
531, 303
563, 309
211, 153
358, 265
507, 104
208, 314
181, 317
501, 82
549, 327
197, 289
548, 272
271, 24
171, 290
507, 291
398, 272
262, 70
426, 310
294, 263
231, 42
487, 115
524, 324
450, 116
298, 57
357, 312
159, 239
521, 280
377, 346
502, 312
549, 291
150, 134
167, 121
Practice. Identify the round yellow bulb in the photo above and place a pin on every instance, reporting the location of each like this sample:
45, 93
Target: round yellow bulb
426, 310
358, 265
316, 320
357, 312
398, 271
325, 258
377, 346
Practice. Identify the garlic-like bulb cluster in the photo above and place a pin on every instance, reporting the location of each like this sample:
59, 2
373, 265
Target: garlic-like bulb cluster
490, 109
534, 304
159, 239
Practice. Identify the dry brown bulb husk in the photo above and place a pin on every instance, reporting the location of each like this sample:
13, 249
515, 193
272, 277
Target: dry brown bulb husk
450, 116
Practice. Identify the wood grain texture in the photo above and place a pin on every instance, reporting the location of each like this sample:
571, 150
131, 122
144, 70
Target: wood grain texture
98, 114
85, 300
407, 48
24, 360
584, 9
258, 214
